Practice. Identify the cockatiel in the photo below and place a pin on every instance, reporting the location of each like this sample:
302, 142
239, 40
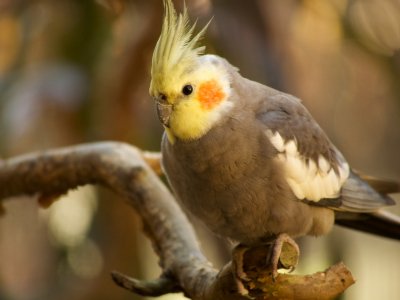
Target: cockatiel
248, 160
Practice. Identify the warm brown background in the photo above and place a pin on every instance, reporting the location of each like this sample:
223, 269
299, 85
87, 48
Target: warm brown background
78, 71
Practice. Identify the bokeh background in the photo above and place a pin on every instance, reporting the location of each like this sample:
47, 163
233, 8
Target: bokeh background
74, 71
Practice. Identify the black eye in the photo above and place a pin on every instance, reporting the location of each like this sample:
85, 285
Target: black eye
187, 89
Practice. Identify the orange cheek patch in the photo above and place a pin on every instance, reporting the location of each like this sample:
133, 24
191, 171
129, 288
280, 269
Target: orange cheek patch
209, 94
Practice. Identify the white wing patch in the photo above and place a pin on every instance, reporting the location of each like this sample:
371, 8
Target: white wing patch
313, 180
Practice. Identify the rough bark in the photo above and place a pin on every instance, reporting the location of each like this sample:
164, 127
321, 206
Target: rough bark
126, 170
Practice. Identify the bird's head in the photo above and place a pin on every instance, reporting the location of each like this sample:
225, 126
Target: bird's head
191, 90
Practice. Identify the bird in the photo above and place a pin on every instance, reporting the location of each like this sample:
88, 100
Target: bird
250, 161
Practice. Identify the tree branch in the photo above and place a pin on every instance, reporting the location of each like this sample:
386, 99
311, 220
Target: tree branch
152, 288
123, 169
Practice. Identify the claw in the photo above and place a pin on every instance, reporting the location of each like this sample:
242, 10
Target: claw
287, 259
237, 267
237, 260
266, 257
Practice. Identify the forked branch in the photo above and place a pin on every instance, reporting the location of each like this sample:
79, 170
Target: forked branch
124, 169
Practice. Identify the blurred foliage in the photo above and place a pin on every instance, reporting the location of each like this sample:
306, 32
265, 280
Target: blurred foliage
76, 71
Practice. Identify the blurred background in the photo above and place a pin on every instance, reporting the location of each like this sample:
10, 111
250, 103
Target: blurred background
75, 71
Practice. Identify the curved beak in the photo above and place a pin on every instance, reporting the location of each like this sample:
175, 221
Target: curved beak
164, 111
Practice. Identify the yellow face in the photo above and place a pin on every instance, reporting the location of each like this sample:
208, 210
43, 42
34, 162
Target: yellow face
189, 104
191, 90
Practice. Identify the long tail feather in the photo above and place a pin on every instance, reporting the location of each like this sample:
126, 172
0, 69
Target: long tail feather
382, 186
380, 223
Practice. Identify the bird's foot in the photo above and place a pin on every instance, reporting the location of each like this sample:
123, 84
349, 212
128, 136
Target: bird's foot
239, 274
284, 254
267, 257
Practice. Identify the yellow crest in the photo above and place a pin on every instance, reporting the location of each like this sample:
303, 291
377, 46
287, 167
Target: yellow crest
176, 51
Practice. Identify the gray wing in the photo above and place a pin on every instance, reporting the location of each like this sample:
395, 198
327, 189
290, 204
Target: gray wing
358, 196
315, 170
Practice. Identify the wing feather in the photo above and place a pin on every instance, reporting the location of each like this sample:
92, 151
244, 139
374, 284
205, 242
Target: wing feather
314, 169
